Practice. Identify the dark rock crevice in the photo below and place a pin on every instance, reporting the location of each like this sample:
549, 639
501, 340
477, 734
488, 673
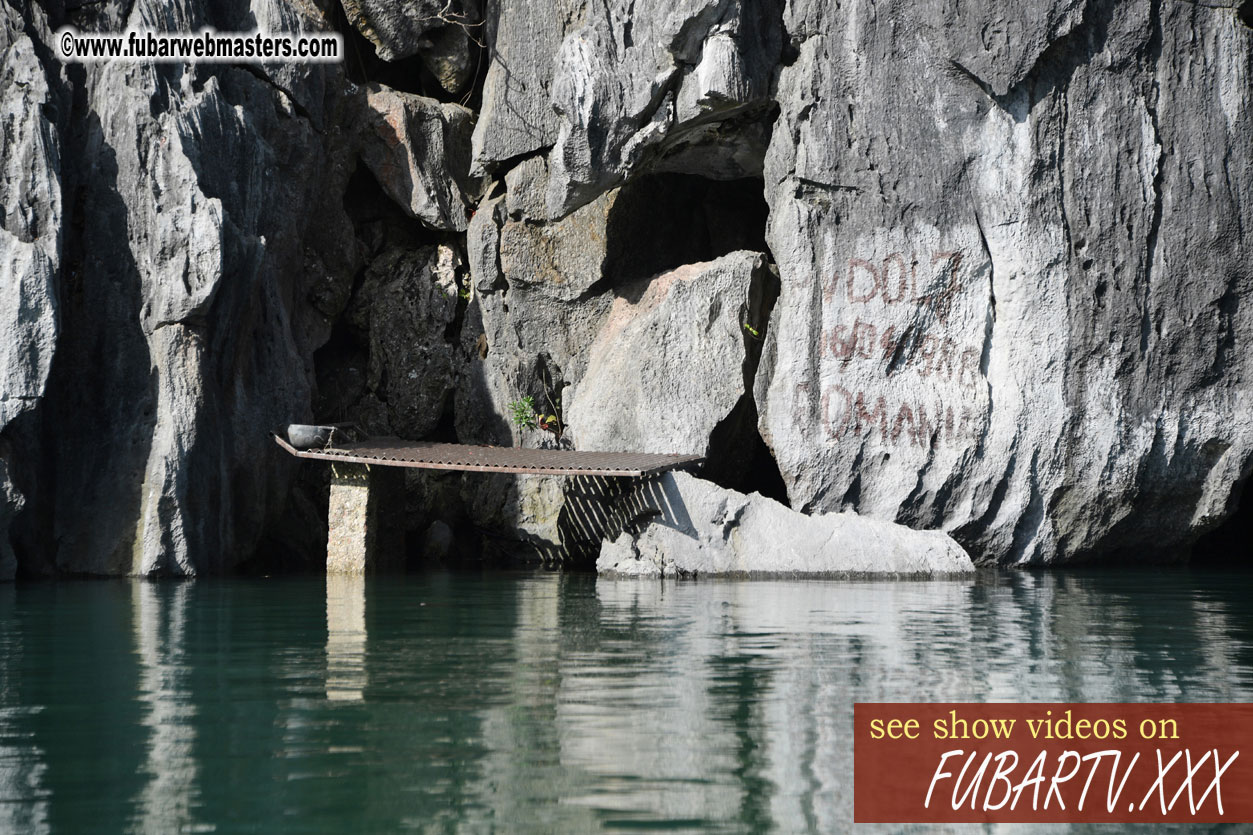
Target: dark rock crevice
379, 222
363, 65
1231, 543
355, 382
1152, 99
739, 458
387, 365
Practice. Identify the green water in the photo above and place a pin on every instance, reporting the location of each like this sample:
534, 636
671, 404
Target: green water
538, 703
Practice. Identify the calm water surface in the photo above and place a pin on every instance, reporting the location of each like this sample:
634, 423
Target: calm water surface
500, 702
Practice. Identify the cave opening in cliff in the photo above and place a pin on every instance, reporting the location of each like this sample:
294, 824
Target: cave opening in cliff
1245, 13
663, 221
1231, 543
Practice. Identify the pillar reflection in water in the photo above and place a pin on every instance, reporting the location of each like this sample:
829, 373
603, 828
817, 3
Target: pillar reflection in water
159, 616
345, 637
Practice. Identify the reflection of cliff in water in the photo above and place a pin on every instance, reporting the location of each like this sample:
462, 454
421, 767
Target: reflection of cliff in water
524, 763
707, 702
23, 807
545, 702
160, 621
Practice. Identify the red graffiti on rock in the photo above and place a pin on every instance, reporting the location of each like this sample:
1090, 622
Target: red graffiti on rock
895, 280
925, 345
907, 347
918, 423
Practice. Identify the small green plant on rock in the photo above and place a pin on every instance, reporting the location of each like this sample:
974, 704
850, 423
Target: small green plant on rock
524, 412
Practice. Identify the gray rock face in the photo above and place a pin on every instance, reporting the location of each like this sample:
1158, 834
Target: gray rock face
525, 185
693, 528
640, 79
531, 319
624, 87
666, 367
561, 259
191, 226
581, 315
543, 295
1011, 271
30, 247
30, 223
417, 154
1010, 239
207, 243
517, 116
440, 32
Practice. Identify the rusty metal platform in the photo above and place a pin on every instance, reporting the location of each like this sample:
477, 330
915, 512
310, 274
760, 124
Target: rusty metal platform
393, 452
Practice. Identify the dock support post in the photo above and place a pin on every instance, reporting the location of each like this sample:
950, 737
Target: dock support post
356, 542
351, 520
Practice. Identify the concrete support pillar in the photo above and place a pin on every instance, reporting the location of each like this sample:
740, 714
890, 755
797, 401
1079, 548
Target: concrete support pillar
351, 520
362, 537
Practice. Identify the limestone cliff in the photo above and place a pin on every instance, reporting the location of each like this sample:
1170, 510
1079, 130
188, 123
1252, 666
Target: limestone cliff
981, 267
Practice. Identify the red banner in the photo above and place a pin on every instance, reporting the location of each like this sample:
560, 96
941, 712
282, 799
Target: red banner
1055, 763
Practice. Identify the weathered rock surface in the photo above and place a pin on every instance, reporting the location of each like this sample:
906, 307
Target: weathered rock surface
1013, 271
517, 118
544, 292
419, 155
515, 345
667, 365
440, 32
562, 259
1011, 243
640, 79
692, 528
401, 311
990, 321
30, 246
190, 229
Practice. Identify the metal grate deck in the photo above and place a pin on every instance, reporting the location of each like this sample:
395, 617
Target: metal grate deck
393, 452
